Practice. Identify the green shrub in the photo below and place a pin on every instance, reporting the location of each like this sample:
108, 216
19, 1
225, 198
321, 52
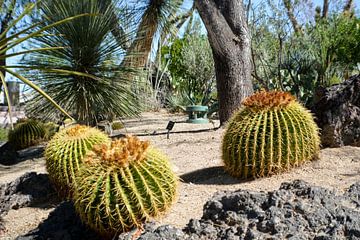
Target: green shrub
122, 185
269, 134
26, 133
117, 126
64, 154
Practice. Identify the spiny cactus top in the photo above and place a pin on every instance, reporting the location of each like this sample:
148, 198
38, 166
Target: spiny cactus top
123, 184
65, 152
27, 132
271, 133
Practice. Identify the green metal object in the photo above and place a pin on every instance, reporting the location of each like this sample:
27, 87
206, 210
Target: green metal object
197, 114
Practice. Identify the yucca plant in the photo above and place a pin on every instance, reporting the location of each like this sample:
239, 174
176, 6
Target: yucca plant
123, 184
10, 41
64, 155
27, 132
103, 93
271, 133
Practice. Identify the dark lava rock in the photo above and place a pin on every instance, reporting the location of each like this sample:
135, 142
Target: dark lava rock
337, 111
10, 156
27, 190
296, 211
164, 232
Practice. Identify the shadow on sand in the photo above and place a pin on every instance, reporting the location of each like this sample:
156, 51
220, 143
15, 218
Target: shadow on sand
210, 176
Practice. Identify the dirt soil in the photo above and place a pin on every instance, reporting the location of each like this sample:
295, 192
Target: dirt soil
194, 151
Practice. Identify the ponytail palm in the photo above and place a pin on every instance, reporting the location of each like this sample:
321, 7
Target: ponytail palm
100, 92
155, 18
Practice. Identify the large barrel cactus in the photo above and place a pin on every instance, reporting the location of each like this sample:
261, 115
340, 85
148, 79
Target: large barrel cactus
65, 152
271, 133
27, 132
122, 185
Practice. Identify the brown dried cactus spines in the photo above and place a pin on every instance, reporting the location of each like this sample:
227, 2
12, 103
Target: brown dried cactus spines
64, 155
270, 134
264, 100
122, 151
123, 184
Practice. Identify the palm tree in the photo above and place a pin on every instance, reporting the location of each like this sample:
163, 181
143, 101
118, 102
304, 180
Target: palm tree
155, 16
100, 92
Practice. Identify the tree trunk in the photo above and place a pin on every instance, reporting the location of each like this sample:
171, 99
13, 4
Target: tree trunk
290, 13
139, 51
228, 34
325, 9
348, 7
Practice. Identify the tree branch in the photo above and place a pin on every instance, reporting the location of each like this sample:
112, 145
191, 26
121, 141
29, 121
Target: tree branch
290, 13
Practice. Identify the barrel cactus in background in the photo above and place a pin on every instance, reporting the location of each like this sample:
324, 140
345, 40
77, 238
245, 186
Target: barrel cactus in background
27, 132
122, 185
271, 133
64, 154
50, 129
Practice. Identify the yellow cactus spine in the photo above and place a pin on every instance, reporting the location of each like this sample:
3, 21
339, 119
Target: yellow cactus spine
65, 152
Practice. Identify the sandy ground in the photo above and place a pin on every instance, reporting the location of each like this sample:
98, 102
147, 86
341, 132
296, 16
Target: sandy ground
196, 158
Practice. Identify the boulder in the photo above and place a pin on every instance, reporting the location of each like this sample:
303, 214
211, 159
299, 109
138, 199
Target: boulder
337, 111
27, 190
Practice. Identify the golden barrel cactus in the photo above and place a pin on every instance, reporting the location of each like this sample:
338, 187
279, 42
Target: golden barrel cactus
270, 133
65, 152
123, 184
27, 132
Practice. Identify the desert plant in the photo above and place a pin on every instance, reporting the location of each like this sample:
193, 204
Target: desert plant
117, 125
12, 36
65, 152
50, 129
3, 134
26, 133
101, 90
271, 133
122, 185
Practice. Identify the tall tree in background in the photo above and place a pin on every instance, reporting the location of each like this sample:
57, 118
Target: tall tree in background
154, 16
226, 24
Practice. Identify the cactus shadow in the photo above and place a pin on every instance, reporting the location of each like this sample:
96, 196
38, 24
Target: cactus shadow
210, 176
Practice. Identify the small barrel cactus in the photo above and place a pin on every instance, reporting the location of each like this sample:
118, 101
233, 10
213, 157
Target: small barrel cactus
50, 129
122, 185
27, 132
271, 133
65, 152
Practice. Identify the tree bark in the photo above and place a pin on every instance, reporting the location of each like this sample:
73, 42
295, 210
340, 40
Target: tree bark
348, 6
290, 13
226, 24
325, 10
